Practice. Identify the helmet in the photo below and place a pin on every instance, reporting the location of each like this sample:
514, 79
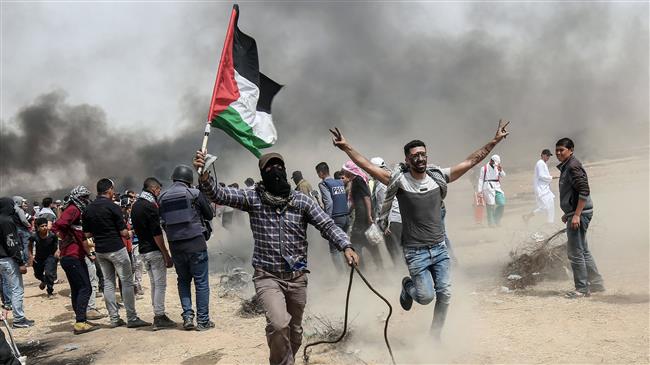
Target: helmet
183, 173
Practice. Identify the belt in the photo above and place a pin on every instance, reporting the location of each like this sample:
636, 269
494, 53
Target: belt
283, 275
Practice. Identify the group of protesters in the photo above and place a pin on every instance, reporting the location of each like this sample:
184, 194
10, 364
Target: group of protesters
120, 236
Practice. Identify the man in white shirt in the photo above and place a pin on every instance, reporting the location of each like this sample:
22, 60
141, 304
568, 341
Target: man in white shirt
489, 185
542, 188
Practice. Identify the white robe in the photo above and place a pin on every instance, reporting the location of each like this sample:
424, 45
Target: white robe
543, 194
487, 187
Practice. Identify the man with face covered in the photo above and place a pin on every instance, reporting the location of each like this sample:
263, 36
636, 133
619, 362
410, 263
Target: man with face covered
420, 190
278, 219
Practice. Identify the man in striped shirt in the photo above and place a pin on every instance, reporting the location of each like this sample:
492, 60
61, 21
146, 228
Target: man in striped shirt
278, 219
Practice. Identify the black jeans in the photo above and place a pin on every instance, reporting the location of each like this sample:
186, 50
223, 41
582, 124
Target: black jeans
77, 273
45, 271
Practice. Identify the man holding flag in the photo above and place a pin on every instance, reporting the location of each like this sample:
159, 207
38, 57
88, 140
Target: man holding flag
241, 106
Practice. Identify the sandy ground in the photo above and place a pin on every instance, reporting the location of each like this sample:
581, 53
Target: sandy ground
485, 324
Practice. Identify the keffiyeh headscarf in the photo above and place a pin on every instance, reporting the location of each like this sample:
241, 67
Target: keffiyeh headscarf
79, 196
352, 168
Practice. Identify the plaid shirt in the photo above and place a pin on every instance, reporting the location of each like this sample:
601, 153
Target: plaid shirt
280, 234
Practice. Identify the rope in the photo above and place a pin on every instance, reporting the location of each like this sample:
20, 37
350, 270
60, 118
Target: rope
305, 356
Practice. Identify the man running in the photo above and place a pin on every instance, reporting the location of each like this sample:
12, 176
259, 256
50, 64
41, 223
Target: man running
420, 190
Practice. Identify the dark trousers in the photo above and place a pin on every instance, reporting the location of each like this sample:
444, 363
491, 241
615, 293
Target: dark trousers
45, 271
284, 302
193, 265
80, 289
335, 254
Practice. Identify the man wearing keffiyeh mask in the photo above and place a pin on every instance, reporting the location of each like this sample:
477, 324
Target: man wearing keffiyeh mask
74, 249
360, 198
278, 219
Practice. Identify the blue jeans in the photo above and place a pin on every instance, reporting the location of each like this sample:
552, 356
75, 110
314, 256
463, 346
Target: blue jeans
12, 281
429, 270
584, 268
193, 265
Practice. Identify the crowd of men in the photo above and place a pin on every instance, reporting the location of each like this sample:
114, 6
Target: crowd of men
120, 236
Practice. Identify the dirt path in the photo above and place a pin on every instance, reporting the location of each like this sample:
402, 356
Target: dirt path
485, 324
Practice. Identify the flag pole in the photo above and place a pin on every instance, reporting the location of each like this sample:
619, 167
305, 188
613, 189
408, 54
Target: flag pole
206, 132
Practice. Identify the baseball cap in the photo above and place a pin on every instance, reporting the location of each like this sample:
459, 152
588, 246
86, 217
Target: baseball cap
264, 159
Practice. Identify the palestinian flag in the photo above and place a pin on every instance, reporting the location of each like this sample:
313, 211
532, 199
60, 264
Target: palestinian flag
242, 96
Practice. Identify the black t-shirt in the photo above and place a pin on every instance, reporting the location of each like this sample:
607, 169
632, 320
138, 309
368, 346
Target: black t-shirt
44, 246
104, 220
359, 190
146, 224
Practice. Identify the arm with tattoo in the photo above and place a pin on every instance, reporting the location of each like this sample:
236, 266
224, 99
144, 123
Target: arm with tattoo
478, 155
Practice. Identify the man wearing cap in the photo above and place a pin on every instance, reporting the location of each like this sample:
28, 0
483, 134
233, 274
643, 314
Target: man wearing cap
278, 219
489, 185
544, 197
183, 210
303, 186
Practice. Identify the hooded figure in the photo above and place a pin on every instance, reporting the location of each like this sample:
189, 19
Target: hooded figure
12, 265
489, 184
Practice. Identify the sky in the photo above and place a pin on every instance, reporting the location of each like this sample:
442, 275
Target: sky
122, 89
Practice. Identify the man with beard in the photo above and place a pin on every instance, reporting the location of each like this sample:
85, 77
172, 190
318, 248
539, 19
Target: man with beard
278, 219
183, 210
103, 221
156, 259
74, 250
420, 190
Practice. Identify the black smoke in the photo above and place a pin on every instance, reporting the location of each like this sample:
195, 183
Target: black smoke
385, 74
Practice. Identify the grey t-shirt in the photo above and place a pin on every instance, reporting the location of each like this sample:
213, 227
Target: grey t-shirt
420, 206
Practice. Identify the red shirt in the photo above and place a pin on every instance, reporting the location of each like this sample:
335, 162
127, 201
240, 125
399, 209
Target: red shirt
68, 228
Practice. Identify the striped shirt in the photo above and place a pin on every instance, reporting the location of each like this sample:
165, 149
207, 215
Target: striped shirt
280, 234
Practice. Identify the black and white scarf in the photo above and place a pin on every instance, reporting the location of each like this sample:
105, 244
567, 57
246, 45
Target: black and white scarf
272, 200
148, 197
79, 196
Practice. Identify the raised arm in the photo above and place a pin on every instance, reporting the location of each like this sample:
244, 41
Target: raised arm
478, 155
375, 171
234, 198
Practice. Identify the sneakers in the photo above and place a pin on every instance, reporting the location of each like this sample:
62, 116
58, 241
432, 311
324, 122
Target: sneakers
119, 323
188, 323
405, 299
137, 323
205, 326
41, 285
160, 322
94, 314
84, 327
574, 294
24, 323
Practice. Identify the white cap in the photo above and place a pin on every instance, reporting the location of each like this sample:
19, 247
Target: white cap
378, 161
496, 159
